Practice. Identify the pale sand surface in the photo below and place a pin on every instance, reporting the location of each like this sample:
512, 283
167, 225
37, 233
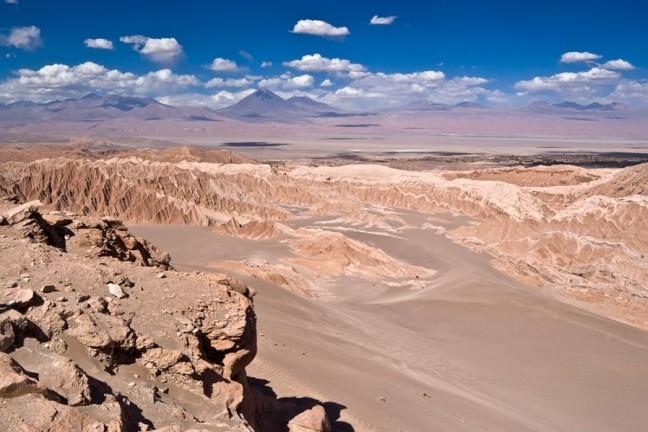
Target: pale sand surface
473, 351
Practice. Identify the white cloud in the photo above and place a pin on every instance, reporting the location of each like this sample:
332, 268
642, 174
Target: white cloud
223, 65
583, 87
317, 63
618, 64
158, 50
230, 82
631, 92
60, 81
382, 90
566, 80
319, 28
287, 82
579, 57
303, 80
134, 39
220, 99
377, 20
326, 83
99, 43
25, 38
266, 64
13, 2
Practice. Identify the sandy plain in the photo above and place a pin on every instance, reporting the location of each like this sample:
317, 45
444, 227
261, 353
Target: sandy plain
471, 350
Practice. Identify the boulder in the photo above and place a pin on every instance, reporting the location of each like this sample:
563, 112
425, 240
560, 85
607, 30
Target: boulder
109, 338
14, 381
32, 412
13, 326
64, 376
17, 297
49, 317
22, 212
312, 420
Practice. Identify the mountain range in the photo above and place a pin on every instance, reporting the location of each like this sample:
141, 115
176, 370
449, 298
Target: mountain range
569, 106
93, 107
262, 105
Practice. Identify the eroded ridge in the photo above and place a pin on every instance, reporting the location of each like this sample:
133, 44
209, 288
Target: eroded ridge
579, 232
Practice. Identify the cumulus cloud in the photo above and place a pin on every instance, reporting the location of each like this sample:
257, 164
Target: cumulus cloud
382, 90
99, 43
326, 83
579, 57
618, 64
137, 40
60, 81
230, 82
319, 28
25, 38
266, 64
631, 92
223, 65
287, 82
598, 82
378, 20
158, 50
13, 2
584, 87
565, 80
318, 63
220, 99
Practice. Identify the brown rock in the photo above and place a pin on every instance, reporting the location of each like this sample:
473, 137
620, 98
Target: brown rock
22, 212
32, 412
312, 420
13, 326
49, 317
63, 376
19, 298
13, 380
105, 335
45, 289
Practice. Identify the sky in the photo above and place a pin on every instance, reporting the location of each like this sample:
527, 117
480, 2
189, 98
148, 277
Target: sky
352, 54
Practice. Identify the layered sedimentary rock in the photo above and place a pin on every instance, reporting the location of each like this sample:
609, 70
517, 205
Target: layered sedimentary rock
580, 232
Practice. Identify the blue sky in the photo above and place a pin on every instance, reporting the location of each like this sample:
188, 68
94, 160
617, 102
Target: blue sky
506, 52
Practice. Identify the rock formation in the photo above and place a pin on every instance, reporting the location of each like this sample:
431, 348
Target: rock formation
577, 231
171, 352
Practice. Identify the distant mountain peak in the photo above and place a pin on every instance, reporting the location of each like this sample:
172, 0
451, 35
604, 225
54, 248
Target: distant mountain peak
264, 104
265, 93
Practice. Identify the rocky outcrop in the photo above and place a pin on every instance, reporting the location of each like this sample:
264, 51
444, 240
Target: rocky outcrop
96, 237
73, 357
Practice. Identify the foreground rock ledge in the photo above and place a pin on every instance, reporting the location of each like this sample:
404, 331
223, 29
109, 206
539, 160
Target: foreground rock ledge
170, 354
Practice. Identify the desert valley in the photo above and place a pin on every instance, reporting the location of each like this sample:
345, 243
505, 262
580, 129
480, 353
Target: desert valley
398, 291
303, 243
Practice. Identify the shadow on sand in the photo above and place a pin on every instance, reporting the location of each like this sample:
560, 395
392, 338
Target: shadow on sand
274, 413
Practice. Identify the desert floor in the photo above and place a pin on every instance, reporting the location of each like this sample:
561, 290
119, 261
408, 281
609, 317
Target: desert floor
471, 351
